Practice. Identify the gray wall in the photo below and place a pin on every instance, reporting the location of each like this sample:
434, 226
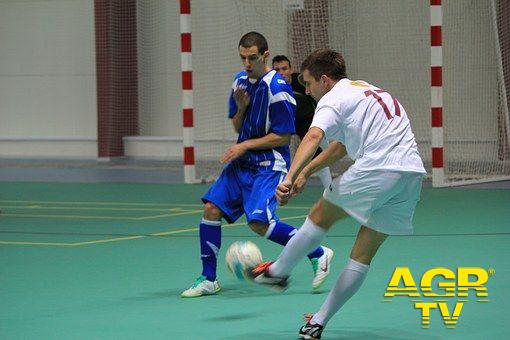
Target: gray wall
47, 69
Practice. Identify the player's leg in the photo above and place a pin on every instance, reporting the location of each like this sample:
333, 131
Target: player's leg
322, 216
350, 280
281, 232
392, 214
260, 209
210, 239
217, 205
210, 243
342, 197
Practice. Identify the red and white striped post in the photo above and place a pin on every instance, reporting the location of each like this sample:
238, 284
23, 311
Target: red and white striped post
187, 93
436, 87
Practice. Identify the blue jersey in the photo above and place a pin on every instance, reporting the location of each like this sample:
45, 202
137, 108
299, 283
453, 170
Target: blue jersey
271, 109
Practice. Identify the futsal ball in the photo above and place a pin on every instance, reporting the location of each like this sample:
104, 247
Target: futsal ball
241, 255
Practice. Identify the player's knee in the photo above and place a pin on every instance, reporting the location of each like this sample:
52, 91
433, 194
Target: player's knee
325, 214
212, 212
366, 245
259, 228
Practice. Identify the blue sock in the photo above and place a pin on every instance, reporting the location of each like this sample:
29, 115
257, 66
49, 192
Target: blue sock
210, 243
281, 233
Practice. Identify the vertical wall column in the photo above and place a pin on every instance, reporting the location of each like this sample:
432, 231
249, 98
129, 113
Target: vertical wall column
117, 74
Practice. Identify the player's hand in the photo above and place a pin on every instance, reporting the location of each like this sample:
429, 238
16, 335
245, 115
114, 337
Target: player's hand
242, 98
299, 184
233, 152
284, 192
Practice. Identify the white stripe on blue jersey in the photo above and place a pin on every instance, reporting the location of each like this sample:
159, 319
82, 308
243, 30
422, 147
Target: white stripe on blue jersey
283, 96
272, 109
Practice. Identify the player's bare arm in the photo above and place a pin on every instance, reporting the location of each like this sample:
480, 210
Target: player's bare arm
242, 99
327, 157
269, 141
334, 152
304, 154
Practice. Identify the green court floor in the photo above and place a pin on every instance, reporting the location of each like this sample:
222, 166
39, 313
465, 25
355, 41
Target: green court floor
108, 261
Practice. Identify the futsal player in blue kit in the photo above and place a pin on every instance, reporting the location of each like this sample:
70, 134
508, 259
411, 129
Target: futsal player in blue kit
262, 108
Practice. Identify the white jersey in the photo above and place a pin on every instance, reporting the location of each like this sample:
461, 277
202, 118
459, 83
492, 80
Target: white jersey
372, 125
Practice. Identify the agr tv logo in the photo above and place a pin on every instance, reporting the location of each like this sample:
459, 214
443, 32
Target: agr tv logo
468, 282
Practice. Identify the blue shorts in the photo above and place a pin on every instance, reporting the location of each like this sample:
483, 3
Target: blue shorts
241, 190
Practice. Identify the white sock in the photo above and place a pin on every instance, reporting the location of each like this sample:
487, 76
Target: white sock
346, 286
306, 239
325, 176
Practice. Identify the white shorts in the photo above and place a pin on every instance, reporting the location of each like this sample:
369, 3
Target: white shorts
381, 200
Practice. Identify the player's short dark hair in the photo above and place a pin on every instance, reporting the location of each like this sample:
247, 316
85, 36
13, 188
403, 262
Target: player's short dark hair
325, 61
280, 58
254, 39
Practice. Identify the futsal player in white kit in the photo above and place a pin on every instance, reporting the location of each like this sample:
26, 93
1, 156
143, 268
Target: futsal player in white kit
380, 190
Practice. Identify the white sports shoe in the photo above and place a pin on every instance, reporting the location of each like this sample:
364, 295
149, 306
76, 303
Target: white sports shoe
321, 267
202, 286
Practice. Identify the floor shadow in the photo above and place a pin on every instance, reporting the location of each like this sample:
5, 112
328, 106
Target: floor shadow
234, 317
350, 333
